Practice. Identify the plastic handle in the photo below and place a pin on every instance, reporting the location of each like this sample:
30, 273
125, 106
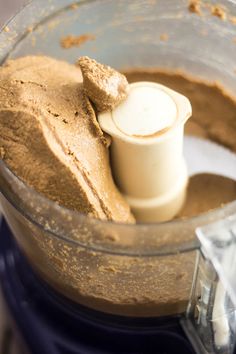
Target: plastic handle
210, 321
218, 244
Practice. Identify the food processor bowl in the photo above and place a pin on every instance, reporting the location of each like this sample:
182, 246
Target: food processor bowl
130, 270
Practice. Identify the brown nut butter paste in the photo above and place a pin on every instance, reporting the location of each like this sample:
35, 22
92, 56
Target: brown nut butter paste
43, 130
106, 87
51, 139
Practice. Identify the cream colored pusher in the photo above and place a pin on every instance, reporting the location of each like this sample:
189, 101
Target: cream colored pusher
147, 150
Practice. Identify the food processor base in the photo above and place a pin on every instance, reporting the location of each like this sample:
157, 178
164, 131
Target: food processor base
42, 321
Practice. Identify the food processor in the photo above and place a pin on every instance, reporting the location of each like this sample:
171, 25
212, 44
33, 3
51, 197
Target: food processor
74, 284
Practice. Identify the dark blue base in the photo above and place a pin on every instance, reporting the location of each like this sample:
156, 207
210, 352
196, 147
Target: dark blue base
51, 324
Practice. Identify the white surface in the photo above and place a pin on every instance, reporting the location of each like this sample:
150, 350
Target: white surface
204, 156
149, 170
147, 110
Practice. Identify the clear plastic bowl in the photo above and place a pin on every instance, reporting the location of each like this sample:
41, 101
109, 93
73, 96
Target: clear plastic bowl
131, 270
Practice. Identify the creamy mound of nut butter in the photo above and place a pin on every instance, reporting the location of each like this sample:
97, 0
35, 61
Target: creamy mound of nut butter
50, 138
